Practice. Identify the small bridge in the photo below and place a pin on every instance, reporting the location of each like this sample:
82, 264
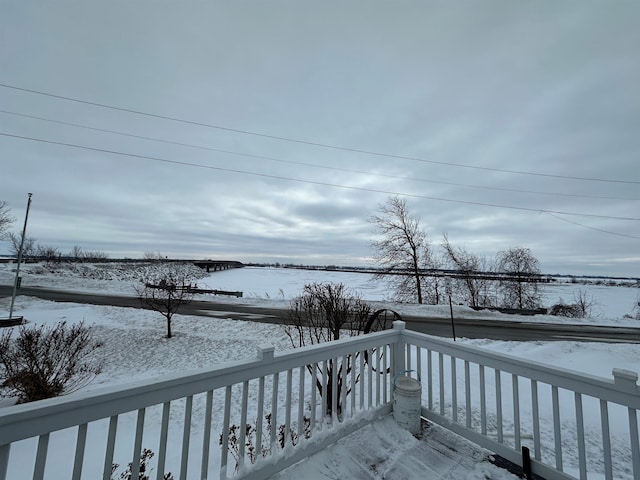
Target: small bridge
216, 265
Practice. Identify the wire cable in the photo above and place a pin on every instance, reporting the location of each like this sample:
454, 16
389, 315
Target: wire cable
590, 228
304, 164
315, 144
311, 182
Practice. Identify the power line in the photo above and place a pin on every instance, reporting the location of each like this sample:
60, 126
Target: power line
591, 228
292, 162
314, 144
312, 182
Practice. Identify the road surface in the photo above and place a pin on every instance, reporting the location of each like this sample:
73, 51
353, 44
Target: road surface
469, 328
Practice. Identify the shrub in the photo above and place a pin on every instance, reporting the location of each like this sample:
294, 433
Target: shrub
45, 362
581, 308
143, 469
323, 313
254, 451
566, 310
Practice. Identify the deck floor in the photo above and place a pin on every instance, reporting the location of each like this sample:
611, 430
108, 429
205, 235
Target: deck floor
383, 450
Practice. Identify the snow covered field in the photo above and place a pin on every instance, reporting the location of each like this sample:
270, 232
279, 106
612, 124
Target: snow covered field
135, 347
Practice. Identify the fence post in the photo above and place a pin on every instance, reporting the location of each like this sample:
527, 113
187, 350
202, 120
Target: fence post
399, 357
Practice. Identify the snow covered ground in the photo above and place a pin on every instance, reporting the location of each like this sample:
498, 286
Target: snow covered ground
200, 343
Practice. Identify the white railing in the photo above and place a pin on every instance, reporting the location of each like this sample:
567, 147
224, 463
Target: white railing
504, 404
183, 418
251, 419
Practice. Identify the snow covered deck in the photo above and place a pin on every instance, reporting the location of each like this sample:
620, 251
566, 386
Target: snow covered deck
192, 421
382, 449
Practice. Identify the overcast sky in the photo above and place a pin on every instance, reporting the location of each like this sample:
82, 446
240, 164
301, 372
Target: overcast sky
502, 124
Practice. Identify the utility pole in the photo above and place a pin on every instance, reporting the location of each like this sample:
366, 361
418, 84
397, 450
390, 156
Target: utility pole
15, 283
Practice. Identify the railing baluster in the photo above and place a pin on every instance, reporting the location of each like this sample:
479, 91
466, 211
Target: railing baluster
454, 390
206, 438
419, 362
408, 361
483, 400
137, 444
536, 420
81, 442
467, 391
343, 389
287, 406
259, 417
582, 458
325, 393
606, 439
41, 457
361, 381
635, 443
334, 391
516, 411
429, 379
385, 383
557, 433
243, 423
499, 404
186, 437
111, 441
164, 433
224, 454
441, 378
370, 379
274, 412
378, 377
5, 450
301, 404
352, 362
314, 398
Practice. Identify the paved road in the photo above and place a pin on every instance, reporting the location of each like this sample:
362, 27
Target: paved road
470, 328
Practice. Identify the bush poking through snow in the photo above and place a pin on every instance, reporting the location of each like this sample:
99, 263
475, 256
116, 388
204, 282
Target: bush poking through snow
145, 456
252, 450
581, 308
45, 362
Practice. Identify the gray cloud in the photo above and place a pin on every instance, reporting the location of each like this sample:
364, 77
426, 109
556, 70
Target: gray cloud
546, 88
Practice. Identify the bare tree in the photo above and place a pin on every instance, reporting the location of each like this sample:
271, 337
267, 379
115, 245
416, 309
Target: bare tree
153, 256
433, 279
45, 362
404, 248
6, 219
325, 312
47, 252
94, 256
166, 291
28, 247
470, 269
520, 287
76, 253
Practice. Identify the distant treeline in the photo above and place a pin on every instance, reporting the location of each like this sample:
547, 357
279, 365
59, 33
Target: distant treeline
540, 278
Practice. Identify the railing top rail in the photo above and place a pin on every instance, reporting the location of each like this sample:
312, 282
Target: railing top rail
36, 418
622, 390
24, 421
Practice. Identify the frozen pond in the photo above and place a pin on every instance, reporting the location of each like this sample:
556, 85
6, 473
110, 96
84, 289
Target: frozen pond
286, 283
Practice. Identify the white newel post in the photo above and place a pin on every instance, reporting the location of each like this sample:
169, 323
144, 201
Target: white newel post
266, 352
399, 356
407, 391
626, 379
